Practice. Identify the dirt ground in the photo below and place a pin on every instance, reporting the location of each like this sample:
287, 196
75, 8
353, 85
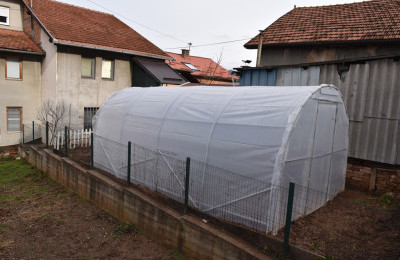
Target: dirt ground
39, 219
354, 225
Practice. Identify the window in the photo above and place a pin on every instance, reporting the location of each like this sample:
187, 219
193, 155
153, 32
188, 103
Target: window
4, 15
88, 67
190, 66
88, 114
14, 118
107, 69
13, 68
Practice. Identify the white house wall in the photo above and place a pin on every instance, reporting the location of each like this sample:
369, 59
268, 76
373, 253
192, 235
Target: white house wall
78, 92
23, 93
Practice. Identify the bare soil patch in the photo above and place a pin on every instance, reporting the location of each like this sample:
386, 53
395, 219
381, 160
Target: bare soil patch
39, 219
354, 225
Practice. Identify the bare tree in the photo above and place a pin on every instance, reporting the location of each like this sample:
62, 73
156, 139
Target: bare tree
52, 112
213, 67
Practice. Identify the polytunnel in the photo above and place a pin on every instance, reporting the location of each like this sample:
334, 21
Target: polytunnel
249, 141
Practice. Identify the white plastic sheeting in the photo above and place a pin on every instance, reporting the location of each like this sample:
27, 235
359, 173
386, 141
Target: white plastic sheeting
271, 134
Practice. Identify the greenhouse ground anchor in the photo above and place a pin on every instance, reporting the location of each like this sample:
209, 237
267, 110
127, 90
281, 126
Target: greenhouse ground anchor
187, 185
288, 220
129, 162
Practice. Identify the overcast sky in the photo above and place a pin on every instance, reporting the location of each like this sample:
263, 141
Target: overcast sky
201, 22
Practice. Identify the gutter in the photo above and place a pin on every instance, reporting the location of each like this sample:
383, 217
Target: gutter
108, 49
23, 52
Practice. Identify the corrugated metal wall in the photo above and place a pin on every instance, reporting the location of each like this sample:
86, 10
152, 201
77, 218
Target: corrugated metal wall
371, 91
258, 77
298, 76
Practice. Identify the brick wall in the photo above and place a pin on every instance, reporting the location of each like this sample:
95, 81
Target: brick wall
388, 180
373, 177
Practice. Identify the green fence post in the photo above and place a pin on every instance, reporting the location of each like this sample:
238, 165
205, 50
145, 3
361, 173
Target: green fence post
129, 162
23, 133
187, 185
66, 141
33, 130
47, 134
288, 220
91, 150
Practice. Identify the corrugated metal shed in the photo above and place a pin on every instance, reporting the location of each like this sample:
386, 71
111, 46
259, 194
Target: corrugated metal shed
384, 93
371, 91
258, 77
298, 76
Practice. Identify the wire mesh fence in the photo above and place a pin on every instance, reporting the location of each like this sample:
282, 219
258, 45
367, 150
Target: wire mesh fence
244, 202
214, 191
72, 142
31, 132
353, 225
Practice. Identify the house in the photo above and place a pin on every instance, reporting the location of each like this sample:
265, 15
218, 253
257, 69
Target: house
356, 48
55, 51
200, 70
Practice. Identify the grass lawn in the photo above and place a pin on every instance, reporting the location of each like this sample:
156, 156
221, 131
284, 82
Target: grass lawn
40, 219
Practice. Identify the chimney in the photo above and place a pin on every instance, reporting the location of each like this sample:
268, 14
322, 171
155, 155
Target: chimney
185, 53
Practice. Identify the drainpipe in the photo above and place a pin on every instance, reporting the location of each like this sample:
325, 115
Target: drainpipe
260, 42
31, 3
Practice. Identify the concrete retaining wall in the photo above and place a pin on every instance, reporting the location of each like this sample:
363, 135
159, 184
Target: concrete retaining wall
188, 234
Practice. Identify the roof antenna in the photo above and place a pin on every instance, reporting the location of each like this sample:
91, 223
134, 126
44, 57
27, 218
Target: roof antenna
294, 7
189, 44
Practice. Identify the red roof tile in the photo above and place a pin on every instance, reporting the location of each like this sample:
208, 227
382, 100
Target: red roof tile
369, 20
72, 24
17, 41
207, 67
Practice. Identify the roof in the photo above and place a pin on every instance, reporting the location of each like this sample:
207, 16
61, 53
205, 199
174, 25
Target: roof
76, 25
161, 71
363, 21
207, 67
17, 41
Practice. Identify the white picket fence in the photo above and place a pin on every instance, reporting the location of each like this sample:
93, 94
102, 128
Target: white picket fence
76, 138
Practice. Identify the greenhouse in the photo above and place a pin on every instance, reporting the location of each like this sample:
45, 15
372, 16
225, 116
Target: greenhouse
245, 144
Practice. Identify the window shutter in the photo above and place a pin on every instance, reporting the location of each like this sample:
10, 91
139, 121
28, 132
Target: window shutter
87, 67
4, 15
13, 69
14, 119
107, 69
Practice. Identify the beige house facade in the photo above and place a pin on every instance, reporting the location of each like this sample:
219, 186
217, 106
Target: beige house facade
79, 67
